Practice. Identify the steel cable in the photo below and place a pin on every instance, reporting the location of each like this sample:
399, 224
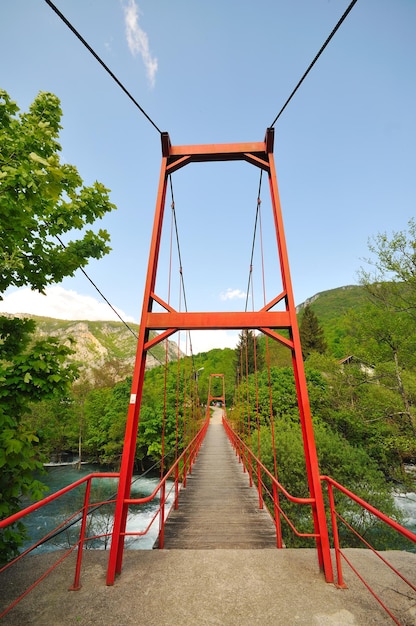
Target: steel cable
341, 20
101, 62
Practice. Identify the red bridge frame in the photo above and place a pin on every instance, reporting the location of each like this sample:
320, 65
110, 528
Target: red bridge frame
169, 321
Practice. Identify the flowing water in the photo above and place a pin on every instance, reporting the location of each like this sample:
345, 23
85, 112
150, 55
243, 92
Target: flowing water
40, 522
44, 520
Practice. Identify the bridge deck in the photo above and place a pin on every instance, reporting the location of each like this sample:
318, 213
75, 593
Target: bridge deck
218, 509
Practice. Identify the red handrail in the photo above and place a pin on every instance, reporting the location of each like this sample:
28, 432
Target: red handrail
54, 496
247, 457
187, 459
405, 532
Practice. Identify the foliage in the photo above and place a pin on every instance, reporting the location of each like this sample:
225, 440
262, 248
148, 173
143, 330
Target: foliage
248, 355
311, 333
216, 361
347, 461
41, 200
392, 282
27, 374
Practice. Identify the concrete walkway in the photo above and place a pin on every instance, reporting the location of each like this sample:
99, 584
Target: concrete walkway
208, 588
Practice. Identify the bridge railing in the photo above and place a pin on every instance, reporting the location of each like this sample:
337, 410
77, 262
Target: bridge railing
79, 517
167, 490
375, 514
257, 472
267, 485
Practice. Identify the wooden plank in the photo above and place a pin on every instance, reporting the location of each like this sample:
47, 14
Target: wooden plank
218, 509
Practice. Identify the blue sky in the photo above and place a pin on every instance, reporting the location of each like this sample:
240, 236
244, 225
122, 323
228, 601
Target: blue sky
218, 72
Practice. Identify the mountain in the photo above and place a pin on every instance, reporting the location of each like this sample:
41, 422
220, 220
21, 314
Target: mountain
105, 350
331, 307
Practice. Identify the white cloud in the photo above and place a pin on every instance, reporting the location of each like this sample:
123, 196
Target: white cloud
109, 45
205, 340
138, 40
233, 294
59, 303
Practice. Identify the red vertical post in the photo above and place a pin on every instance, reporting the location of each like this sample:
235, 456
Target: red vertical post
130, 437
311, 457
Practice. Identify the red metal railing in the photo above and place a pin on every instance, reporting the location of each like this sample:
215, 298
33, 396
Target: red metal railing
339, 554
176, 474
254, 466
258, 471
87, 480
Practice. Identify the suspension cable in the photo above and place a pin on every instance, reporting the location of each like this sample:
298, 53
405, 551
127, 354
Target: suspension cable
101, 62
347, 11
129, 328
178, 244
254, 239
175, 224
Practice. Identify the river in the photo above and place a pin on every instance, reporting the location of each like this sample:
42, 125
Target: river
45, 519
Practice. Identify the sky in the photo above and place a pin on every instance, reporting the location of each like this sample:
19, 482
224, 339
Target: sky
219, 72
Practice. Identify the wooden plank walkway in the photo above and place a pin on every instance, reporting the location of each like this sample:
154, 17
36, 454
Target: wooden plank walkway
218, 509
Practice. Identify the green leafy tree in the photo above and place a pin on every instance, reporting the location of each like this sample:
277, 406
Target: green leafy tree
392, 280
27, 375
311, 334
349, 449
41, 201
249, 356
387, 329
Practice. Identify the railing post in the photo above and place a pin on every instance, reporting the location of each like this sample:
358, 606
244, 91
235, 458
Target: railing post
185, 471
76, 584
340, 580
162, 515
250, 470
279, 542
259, 487
176, 485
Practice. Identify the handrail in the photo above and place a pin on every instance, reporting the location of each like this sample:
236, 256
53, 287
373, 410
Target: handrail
405, 532
198, 438
187, 458
54, 496
244, 452
382, 516
295, 499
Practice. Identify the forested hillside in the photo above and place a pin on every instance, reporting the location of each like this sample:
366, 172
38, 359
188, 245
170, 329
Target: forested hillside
104, 351
332, 309
363, 414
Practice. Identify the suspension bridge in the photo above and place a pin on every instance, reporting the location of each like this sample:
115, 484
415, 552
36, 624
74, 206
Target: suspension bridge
219, 565
233, 504
222, 517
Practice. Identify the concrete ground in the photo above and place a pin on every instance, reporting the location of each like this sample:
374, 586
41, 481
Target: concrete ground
208, 587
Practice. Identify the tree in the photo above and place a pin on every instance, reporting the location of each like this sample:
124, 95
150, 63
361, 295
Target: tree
390, 319
41, 200
311, 334
349, 461
248, 354
392, 282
